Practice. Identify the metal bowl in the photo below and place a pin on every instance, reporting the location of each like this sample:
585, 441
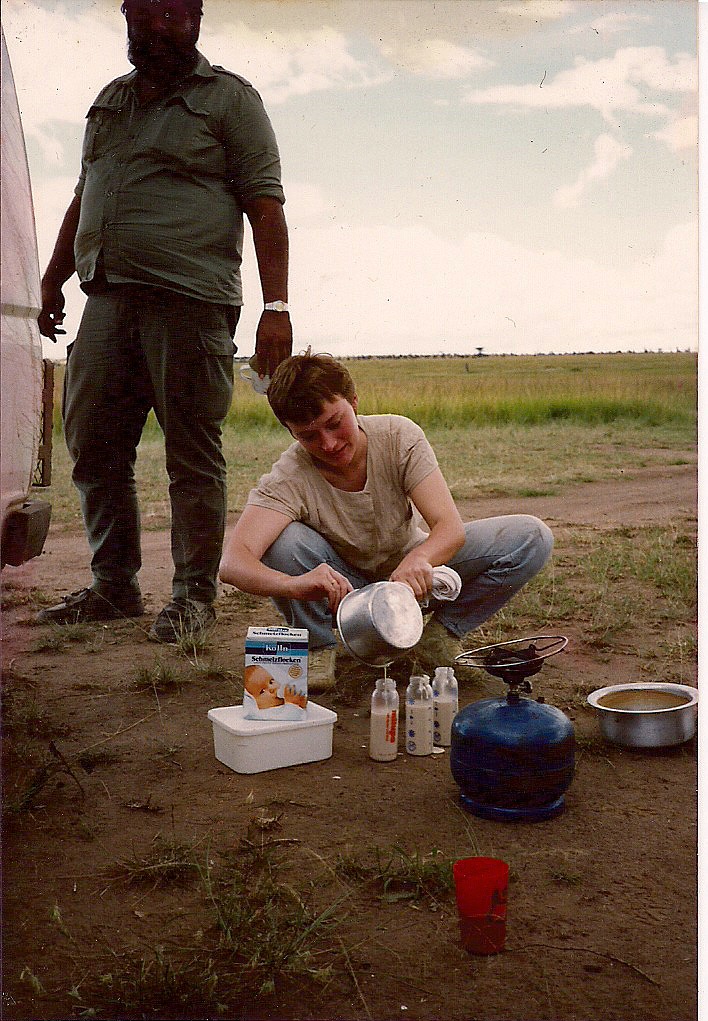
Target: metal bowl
646, 715
380, 622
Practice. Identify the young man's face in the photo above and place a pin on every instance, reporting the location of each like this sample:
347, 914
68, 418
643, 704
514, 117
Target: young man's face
162, 37
333, 436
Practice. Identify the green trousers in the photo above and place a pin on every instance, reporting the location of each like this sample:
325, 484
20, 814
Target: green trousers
139, 348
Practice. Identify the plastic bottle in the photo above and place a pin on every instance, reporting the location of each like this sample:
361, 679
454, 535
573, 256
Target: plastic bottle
419, 716
383, 731
445, 704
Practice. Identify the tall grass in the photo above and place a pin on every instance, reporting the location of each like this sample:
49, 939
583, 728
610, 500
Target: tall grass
518, 426
651, 389
588, 389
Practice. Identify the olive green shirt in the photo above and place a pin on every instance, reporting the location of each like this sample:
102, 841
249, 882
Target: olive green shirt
163, 184
371, 530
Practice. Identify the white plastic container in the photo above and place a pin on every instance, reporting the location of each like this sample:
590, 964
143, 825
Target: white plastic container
253, 746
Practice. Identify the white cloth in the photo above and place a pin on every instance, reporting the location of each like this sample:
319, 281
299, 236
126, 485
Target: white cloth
447, 583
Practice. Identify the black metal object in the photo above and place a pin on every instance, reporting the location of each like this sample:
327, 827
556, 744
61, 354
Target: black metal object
514, 662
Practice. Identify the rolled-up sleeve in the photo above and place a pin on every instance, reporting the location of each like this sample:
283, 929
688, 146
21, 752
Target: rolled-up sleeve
252, 158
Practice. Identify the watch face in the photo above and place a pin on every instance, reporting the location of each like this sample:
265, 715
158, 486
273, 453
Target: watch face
277, 306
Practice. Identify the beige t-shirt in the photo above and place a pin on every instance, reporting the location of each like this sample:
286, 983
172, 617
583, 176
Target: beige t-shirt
373, 529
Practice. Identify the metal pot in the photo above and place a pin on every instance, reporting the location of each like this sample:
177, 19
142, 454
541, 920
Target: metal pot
380, 622
646, 715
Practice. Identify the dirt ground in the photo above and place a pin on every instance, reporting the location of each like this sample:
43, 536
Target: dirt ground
602, 898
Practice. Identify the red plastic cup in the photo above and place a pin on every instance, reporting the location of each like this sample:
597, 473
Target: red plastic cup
481, 886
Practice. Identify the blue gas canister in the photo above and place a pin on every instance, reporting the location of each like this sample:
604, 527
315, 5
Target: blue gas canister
513, 757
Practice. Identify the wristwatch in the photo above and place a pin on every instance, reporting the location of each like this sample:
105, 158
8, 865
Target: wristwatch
276, 306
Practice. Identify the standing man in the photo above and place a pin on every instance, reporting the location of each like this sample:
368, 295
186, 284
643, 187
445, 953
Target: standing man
174, 154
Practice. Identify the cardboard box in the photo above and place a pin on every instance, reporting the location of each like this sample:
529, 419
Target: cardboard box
253, 746
275, 673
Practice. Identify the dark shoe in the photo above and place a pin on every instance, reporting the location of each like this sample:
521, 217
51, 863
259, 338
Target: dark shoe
88, 605
182, 618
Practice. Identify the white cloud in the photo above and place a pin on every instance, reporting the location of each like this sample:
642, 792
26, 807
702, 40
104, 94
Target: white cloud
608, 154
306, 203
49, 51
296, 63
383, 290
436, 58
679, 135
614, 23
539, 10
362, 290
628, 81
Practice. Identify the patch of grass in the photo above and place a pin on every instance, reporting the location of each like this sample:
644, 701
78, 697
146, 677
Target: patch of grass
191, 644
268, 926
677, 658
62, 635
22, 714
14, 595
593, 743
170, 752
602, 586
158, 985
399, 875
166, 863
28, 976
208, 670
48, 643
160, 678
51, 766
86, 829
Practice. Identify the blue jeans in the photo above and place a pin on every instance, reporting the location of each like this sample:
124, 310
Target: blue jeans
499, 557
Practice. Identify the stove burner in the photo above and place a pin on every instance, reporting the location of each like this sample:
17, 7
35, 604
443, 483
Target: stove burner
514, 662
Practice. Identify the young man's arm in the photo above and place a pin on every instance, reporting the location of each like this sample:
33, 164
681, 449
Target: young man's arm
241, 564
447, 535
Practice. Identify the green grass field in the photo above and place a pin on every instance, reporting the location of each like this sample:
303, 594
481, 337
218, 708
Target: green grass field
515, 426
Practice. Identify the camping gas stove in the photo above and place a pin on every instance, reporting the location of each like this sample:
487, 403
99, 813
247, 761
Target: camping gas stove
513, 757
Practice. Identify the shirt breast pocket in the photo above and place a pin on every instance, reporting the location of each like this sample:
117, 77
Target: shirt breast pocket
183, 138
99, 138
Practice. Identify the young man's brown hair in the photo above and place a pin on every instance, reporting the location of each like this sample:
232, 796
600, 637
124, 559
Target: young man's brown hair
302, 383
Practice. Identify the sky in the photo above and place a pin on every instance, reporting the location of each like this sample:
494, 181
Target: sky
519, 176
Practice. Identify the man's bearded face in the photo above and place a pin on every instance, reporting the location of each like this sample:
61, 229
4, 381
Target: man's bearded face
162, 38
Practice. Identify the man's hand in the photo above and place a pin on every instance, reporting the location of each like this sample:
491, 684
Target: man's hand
321, 583
52, 315
416, 572
274, 341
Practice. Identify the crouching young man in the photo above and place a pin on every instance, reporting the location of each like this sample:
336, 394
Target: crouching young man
360, 498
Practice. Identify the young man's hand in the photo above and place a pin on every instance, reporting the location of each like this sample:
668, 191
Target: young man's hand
415, 571
321, 583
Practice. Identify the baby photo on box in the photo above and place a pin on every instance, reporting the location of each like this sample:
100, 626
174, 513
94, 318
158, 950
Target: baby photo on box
275, 674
